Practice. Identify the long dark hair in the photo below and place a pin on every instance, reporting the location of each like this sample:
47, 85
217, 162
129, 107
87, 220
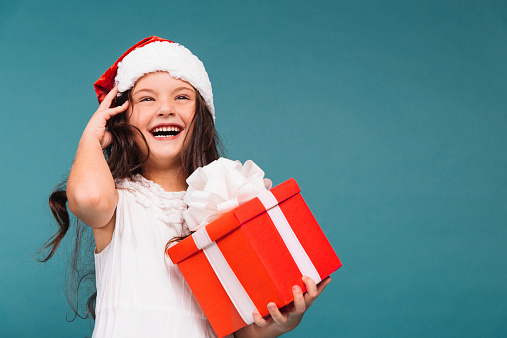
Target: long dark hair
201, 146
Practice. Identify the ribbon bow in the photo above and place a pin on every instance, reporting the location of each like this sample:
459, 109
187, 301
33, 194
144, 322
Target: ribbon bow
219, 187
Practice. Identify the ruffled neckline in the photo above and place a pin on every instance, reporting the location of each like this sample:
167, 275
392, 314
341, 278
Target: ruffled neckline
167, 206
157, 188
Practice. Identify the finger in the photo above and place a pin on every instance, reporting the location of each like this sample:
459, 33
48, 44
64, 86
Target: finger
261, 321
313, 291
299, 299
108, 113
277, 316
106, 103
119, 109
311, 287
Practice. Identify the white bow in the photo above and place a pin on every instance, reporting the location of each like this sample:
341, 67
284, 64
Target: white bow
219, 187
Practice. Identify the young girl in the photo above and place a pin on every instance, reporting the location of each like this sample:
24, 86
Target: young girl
153, 128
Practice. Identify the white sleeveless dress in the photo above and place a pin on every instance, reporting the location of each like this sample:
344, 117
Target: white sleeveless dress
140, 293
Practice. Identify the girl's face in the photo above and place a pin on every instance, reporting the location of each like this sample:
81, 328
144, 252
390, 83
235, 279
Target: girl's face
162, 109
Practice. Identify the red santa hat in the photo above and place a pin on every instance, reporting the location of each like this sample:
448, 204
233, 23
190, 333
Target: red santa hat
156, 54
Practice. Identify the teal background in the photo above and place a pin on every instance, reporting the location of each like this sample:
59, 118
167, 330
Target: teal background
391, 115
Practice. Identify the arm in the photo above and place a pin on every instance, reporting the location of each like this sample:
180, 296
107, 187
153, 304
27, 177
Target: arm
90, 188
287, 320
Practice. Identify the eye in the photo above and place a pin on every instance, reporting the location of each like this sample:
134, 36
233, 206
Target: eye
182, 97
146, 98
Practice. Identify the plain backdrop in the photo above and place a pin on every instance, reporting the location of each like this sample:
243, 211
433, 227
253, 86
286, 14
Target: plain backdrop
391, 115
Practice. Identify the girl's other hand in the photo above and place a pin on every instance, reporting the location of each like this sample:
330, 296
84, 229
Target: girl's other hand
289, 317
97, 124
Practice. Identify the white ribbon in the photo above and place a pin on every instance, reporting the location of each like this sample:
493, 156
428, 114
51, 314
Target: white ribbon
201, 238
220, 187
232, 286
290, 239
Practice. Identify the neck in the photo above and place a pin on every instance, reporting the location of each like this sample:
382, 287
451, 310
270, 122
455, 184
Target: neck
170, 179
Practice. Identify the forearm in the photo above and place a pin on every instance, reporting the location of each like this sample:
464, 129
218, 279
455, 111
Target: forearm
90, 188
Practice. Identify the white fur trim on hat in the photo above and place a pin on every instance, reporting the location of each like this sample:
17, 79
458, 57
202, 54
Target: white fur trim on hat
173, 58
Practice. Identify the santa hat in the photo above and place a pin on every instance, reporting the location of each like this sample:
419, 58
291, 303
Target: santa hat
156, 54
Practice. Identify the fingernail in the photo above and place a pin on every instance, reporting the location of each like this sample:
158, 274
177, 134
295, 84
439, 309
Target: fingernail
296, 288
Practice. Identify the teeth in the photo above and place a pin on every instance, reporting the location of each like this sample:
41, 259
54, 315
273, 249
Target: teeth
166, 131
171, 128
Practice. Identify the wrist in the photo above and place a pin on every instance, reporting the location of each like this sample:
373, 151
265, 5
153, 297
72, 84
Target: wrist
89, 138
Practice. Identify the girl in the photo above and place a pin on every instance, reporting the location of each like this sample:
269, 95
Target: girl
153, 128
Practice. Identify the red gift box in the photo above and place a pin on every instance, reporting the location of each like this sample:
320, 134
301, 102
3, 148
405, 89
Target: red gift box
254, 255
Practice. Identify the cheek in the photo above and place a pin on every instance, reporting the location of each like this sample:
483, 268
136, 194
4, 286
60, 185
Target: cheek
133, 118
189, 131
189, 115
136, 119
140, 141
188, 122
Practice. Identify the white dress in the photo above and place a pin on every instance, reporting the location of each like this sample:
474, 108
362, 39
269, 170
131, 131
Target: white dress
140, 293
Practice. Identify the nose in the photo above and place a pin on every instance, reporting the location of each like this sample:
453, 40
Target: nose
165, 109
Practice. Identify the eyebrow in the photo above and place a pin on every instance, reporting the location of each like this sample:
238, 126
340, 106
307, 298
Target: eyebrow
182, 88
143, 90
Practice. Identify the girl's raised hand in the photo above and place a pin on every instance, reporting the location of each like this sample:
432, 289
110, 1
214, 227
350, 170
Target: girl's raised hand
290, 316
97, 125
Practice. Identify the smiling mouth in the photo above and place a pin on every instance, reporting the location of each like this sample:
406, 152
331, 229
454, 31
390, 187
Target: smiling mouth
166, 131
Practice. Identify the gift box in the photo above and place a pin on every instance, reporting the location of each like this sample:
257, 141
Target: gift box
253, 255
